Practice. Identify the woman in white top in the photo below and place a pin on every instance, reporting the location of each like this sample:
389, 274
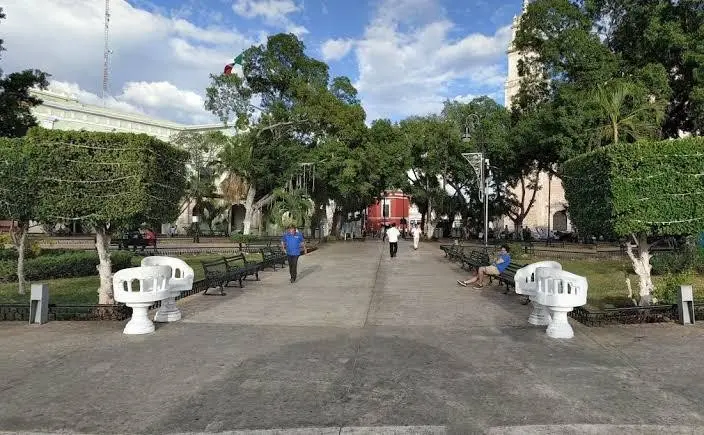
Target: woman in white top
416, 236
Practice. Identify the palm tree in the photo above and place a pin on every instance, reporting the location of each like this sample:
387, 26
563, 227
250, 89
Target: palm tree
290, 208
628, 112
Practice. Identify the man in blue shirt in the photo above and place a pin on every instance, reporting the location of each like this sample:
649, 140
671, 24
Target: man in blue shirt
292, 242
495, 269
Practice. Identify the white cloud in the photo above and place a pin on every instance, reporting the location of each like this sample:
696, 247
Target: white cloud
148, 48
408, 63
72, 90
336, 49
274, 13
143, 98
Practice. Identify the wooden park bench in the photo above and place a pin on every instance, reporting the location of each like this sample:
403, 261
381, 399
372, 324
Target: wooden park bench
447, 248
507, 276
218, 274
240, 261
125, 242
455, 254
273, 256
475, 259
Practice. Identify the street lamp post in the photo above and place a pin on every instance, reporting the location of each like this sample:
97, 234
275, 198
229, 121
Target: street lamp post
195, 219
479, 164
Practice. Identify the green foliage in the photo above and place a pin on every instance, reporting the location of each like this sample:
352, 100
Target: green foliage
203, 150
16, 102
655, 45
243, 238
667, 290
18, 188
290, 208
303, 116
110, 179
672, 262
628, 112
653, 188
65, 265
517, 252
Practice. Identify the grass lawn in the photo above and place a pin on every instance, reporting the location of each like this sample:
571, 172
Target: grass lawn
607, 281
84, 290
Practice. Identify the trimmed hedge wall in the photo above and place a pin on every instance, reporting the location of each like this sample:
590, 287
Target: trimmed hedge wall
654, 188
65, 265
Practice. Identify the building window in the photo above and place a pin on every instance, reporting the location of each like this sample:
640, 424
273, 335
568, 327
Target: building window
386, 209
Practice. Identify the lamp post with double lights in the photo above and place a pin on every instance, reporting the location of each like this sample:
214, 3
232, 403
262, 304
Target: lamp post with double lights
479, 164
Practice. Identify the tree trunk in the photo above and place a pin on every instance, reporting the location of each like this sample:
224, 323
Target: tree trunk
249, 209
641, 265
102, 244
614, 125
336, 221
20, 242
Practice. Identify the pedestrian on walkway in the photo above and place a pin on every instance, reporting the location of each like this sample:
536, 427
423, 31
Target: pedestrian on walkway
292, 242
393, 233
416, 232
499, 265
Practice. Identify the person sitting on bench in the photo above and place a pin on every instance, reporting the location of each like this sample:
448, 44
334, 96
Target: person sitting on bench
495, 269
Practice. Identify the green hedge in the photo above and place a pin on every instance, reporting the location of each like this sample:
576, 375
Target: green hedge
645, 187
65, 265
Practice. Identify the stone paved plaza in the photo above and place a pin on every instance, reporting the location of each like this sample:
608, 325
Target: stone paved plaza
362, 343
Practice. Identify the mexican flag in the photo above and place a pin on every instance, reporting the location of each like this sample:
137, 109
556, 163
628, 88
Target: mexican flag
237, 61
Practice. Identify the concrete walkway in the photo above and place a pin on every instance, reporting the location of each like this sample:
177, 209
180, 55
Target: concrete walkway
362, 343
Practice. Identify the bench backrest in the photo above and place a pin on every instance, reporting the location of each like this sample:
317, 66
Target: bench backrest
512, 269
215, 267
479, 256
236, 260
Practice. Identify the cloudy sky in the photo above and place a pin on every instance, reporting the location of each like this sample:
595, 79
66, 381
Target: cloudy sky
404, 56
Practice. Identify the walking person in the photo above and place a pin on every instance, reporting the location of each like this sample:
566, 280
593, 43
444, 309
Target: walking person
292, 242
393, 233
416, 232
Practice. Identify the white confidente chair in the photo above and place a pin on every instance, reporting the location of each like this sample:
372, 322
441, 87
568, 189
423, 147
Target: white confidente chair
139, 288
560, 291
181, 280
527, 285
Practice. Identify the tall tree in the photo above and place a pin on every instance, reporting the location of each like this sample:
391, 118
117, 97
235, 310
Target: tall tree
638, 191
15, 101
652, 43
289, 106
203, 170
18, 193
106, 180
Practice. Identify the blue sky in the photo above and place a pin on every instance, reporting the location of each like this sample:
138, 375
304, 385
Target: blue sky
404, 56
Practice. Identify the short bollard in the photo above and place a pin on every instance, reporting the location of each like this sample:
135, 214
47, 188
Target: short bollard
686, 305
39, 304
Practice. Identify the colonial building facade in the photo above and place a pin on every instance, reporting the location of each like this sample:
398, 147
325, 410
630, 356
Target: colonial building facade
550, 207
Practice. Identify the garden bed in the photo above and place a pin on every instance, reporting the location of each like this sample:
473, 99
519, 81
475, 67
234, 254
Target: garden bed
591, 316
84, 290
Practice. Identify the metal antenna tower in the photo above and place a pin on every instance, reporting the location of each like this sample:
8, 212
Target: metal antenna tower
106, 54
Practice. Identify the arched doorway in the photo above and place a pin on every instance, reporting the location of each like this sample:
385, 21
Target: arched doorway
237, 213
559, 221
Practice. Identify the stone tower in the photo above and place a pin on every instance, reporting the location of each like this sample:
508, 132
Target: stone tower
550, 208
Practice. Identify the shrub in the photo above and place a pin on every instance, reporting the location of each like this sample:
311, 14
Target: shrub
64, 265
667, 290
7, 254
517, 252
243, 238
689, 258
